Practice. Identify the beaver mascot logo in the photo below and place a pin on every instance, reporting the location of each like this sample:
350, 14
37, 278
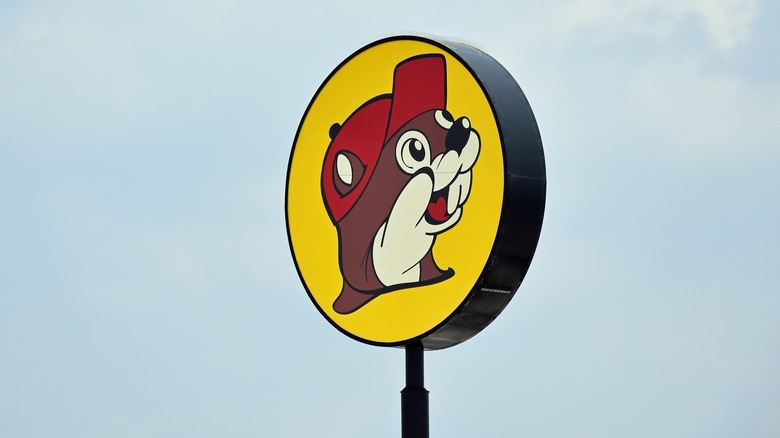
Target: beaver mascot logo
396, 174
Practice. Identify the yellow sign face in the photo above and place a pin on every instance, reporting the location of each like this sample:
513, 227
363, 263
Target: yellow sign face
395, 189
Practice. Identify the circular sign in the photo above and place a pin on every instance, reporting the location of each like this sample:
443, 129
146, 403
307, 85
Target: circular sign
415, 193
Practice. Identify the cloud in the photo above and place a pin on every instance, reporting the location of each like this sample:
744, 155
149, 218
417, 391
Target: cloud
86, 76
703, 116
726, 22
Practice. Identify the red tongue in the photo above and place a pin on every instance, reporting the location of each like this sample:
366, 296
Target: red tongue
437, 209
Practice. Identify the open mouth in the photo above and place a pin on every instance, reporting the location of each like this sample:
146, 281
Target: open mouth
436, 213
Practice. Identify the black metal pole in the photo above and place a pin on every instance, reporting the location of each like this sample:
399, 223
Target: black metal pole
414, 398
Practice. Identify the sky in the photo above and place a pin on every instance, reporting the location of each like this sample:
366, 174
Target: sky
146, 283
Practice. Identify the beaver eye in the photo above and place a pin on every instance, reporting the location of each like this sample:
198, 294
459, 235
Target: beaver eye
413, 151
416, 149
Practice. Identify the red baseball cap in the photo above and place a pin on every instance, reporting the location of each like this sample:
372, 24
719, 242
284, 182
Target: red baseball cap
419, 85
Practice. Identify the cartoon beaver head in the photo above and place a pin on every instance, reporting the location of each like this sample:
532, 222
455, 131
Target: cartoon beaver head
396, 174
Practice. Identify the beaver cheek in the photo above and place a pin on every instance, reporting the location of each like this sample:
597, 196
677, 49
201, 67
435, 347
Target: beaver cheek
459, 191
445, 167
470, 152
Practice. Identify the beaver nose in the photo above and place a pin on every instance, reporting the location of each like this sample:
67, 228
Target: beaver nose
458, 135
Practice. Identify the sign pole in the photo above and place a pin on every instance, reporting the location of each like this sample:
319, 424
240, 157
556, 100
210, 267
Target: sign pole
414, 398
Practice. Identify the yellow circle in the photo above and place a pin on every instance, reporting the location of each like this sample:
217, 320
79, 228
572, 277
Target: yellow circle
408, 313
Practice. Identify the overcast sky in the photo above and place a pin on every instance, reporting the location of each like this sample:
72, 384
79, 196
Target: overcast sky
146, 285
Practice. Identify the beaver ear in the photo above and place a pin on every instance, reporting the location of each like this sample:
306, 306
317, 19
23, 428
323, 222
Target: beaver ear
347, 172
334, 130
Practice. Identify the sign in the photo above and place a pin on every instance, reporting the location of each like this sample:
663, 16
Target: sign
415, 193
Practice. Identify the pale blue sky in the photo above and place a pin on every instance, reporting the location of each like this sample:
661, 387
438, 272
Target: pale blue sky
146, 286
